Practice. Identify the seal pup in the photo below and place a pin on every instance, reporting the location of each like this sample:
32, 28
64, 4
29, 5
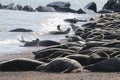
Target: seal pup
48, 43
50, 47
56, 54
20, 64
112, 44
63, 65
75, 48
99, 54
114, 54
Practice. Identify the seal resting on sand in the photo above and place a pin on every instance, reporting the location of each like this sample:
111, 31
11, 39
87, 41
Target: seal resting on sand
46, 52
82, 59
20, 64
110, 65
48, 43
63, 65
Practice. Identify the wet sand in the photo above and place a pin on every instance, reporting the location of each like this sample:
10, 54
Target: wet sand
35, 75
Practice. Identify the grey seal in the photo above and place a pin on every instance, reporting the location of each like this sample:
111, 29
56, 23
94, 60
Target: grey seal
110, 65
20, 64
63, 65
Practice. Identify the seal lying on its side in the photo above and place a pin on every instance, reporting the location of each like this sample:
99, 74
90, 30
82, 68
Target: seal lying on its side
110, 65
20, 64
46, 52
61, 65
82, 59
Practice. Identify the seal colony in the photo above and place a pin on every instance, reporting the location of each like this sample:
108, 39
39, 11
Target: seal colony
94, 47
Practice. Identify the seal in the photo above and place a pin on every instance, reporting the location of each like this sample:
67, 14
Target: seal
63, 65
46, 52
20, 64
48, 43
60, 32
110, 65
56, 54
21, 30
99, 54
82, 59
74, 38
55, 46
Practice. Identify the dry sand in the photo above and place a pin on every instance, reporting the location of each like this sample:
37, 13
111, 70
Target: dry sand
34, 75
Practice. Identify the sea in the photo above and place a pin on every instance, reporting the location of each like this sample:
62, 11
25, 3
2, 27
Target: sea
40, 22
